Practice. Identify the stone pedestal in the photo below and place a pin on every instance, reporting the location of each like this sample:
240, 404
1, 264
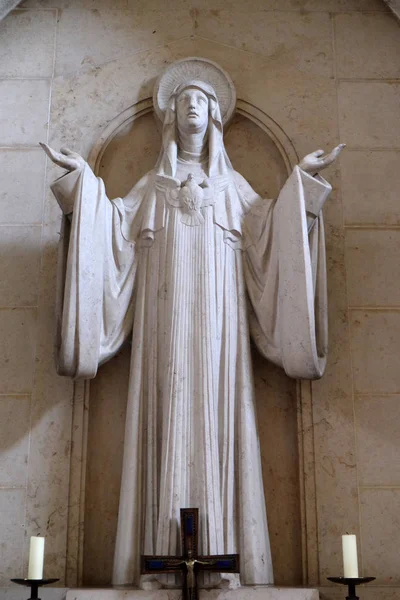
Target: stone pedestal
242, 593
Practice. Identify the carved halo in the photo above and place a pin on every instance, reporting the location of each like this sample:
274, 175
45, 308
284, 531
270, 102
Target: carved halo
200, 69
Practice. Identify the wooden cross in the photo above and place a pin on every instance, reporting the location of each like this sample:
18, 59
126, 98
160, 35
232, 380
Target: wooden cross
190, 562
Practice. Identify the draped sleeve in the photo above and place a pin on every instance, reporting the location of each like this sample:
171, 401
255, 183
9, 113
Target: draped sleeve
285, 272
96, 274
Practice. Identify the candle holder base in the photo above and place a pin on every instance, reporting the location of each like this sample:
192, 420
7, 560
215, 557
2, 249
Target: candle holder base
34, 584
351, 583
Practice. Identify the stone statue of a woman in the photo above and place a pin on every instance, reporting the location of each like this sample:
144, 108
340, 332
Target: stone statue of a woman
188, 266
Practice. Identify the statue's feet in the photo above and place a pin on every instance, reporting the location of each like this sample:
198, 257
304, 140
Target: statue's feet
149, 583
230, 581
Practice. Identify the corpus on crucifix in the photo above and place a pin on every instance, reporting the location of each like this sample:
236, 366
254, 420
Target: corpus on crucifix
190, 562
189, 265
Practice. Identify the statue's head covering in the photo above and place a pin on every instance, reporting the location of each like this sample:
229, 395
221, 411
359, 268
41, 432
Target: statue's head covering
217, 86
218, 160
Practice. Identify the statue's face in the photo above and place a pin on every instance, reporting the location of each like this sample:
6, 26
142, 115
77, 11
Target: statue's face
192, 110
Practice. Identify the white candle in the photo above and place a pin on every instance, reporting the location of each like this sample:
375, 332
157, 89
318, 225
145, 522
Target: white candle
36, 557
350, 561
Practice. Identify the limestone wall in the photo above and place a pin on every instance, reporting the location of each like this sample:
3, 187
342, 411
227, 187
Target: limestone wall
324, 70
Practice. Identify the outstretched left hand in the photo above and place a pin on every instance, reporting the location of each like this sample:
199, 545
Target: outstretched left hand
316, 161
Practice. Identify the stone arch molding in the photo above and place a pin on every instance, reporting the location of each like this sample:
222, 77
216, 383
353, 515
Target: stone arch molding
76, 529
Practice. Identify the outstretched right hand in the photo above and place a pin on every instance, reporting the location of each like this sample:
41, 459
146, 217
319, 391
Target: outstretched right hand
65, 158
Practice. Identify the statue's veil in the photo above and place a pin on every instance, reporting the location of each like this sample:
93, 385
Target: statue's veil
218, 160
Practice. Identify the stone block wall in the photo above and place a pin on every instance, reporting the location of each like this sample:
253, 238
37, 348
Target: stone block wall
324, 70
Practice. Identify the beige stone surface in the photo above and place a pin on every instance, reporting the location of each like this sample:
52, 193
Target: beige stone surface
24, 113
255, 156
49, 457
48, 477
369, 114
370, 184
372, 278
374, 344
286, 97
77, 484
75, 125
377, 433
367, 45
334, 447
13, 592
21, 185
107, 411
19, 264
292, 99
268, 5
333, 457
17, 350
12, 510
20, 33
14, 439
288, 39
277, 428
87, 39
196, 5
242, 593
290, 5
380, 526
75, 4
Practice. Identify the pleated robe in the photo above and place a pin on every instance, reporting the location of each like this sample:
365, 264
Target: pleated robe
188, 298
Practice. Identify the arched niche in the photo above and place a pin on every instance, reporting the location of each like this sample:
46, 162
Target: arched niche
264, 155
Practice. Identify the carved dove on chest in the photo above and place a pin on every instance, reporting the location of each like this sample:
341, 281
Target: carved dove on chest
189, 196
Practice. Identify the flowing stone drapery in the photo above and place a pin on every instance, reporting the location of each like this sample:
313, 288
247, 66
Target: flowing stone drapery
134, 270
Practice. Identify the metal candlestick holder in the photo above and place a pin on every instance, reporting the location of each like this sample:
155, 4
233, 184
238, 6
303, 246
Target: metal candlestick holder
34, 584
351, 582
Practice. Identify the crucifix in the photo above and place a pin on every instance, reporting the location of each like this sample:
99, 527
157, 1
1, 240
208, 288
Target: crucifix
190, 562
